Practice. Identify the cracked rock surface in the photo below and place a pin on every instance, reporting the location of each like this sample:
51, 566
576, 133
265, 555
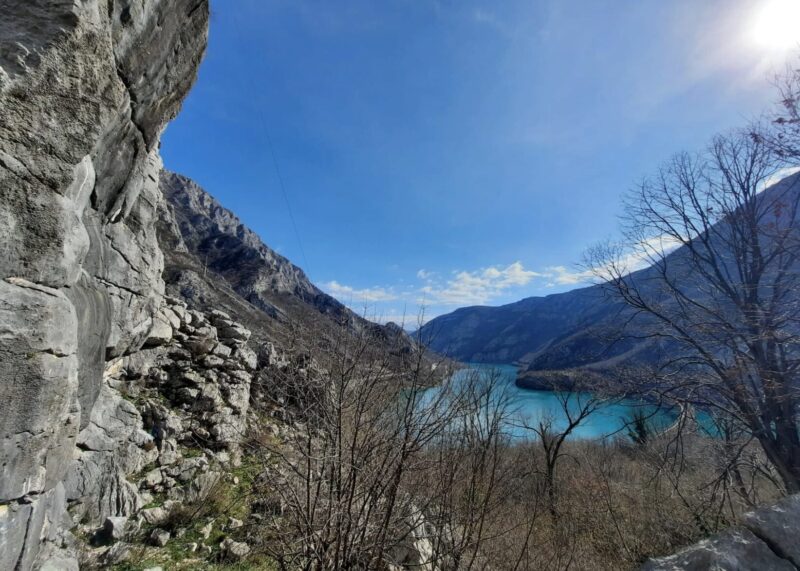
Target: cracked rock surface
85, 90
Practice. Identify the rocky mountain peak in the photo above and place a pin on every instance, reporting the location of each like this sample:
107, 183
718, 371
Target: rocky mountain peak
226, 246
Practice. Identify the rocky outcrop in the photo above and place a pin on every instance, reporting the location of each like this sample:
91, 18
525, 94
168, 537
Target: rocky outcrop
766, 540
227, 247
213, 260
188, 389
85, 90
166, 428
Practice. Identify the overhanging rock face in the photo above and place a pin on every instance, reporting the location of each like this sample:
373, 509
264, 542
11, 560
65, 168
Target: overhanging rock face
768, 539
85, 89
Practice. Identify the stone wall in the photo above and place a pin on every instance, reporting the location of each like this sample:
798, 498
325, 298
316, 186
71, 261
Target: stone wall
85, 89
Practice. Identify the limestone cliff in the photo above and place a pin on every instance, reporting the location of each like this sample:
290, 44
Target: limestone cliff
86, 88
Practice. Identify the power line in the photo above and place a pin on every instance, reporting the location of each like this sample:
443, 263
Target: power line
270, 146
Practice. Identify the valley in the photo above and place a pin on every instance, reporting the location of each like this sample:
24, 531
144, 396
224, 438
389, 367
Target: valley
177, 393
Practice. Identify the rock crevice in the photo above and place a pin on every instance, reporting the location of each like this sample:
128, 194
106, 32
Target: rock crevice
76, 144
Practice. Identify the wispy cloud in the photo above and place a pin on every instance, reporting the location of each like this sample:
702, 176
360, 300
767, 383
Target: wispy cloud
561, 275
348, 294
437, 294
477, 287
636, 258
779, 176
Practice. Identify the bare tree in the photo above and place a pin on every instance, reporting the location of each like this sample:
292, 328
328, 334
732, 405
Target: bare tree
784, 137
722, 285
575, 408
470, 468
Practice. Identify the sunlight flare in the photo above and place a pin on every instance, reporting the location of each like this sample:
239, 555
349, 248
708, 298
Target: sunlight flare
776, 25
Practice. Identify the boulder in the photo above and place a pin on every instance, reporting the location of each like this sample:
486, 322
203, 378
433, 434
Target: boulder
188, 468
247, 357
779, 526
200, 344
731, 550
235, 333
172, 318
234, 550
160, 333
216, 316
114, 527
154, 516
212, 361
115, 554
221, 350
199, 487
159, 537
153, 478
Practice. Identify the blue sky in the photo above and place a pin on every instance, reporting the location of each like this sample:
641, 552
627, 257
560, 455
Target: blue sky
460, 152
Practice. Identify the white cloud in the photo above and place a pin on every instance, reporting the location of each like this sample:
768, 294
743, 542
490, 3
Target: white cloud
434, 292
622, 261
477, 287
561, 275
347, 294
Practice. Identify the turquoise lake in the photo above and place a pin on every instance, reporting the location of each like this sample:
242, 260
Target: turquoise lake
607, 421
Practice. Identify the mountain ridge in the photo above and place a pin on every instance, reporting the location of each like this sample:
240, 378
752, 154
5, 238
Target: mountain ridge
212, 257
583, 328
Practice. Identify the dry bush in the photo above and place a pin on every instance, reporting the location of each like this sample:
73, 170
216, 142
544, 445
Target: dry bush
371, 470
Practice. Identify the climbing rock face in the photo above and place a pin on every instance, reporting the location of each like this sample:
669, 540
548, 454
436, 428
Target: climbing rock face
85, 90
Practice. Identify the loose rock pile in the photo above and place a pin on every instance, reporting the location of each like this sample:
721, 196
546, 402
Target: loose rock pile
169, 422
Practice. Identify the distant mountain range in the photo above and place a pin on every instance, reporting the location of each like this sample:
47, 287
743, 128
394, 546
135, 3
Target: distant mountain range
587, 328
579, 328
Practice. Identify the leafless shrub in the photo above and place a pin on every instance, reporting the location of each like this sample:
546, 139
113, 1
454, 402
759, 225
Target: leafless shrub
784, 136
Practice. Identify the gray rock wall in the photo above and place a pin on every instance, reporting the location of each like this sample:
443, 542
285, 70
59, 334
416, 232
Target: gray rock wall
85, 89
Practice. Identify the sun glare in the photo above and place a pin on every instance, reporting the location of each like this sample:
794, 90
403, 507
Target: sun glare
776, 25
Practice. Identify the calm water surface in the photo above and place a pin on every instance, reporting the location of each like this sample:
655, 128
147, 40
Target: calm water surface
531, 406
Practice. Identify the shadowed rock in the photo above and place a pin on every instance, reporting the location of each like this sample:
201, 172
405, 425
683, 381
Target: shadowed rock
767, 540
